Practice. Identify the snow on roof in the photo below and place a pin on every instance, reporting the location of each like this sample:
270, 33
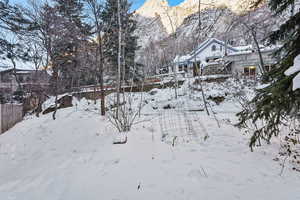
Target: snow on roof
4, 68
204, 44
270, 48
206, 64
247, 50
20, 65
19, 69
239, 53
244, 48
181, 59
239, 50
262, 47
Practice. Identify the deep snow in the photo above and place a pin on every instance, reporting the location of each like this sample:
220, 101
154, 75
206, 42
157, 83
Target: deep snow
292, 70
73, 158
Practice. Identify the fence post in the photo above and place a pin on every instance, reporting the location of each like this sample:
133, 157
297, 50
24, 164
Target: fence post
10, 115
1, 118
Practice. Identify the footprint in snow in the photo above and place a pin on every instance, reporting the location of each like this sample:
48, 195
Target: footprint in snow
196, 174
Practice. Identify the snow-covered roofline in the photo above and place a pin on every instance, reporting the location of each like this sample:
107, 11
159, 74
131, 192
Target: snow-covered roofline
5, 69
207, 42
239, 50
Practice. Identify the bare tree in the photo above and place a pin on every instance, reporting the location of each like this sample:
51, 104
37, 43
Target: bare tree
255, 25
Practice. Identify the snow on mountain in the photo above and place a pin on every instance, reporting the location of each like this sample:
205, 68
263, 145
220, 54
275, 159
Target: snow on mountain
236, 6
149, 29
173, 16
152, 8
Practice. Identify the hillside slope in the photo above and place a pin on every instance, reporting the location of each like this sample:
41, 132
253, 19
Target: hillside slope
73, 158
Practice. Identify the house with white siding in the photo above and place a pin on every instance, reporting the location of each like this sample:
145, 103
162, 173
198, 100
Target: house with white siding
214, 56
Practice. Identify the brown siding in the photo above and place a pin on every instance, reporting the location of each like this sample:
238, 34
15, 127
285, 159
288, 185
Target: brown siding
10, 114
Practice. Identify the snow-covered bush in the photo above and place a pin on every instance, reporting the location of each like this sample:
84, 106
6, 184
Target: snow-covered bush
292, 71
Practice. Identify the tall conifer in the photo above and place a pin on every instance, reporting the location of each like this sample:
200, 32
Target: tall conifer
129, 40
277, 104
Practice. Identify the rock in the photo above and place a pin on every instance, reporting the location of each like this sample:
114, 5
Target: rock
168, 106
153, 92
49, 110
217, 99
63, 102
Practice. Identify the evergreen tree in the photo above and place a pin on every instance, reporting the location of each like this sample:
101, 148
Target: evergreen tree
74, 32
72, 10
129, 40
277, 104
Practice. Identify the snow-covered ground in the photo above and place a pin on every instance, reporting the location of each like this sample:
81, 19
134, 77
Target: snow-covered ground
73, 158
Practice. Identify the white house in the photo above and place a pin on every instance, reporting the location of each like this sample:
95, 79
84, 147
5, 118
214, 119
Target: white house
213, 56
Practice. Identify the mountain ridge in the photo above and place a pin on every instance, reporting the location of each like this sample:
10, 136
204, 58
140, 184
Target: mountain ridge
173, 16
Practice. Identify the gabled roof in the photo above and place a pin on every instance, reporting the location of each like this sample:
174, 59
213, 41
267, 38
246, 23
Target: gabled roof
181, 59
235, 50
206, 43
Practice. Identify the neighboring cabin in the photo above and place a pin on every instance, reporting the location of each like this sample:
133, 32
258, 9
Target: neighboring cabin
30, 80
213, 56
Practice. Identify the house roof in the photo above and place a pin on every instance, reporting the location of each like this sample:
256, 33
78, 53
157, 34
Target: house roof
20, 65
200, 48
4, 69
206, 43
240, 50
182, 59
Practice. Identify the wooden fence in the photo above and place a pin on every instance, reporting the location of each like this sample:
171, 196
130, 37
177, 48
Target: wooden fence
10, 114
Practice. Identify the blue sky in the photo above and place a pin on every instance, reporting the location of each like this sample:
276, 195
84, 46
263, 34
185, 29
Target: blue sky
136, 3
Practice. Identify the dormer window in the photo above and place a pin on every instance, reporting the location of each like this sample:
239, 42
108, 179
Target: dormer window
213, 48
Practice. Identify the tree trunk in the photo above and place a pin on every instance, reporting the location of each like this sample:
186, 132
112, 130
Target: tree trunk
262, 66
56, 95
15, 74
102, 101
119, 59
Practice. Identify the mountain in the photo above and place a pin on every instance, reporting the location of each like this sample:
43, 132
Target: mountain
166, 31
173, 16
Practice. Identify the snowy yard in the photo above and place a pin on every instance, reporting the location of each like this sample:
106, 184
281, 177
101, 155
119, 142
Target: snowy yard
171, 154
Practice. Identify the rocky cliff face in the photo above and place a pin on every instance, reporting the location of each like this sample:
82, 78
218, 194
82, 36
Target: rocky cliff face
173, 16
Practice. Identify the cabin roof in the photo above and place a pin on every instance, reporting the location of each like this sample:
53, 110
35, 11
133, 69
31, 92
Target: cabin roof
208, 42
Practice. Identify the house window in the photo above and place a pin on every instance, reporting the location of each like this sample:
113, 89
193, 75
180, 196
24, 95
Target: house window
221, 48
185, 68
180, 68
28, 79
246, 71
213, 48
21, 79
250, 71
268, 68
